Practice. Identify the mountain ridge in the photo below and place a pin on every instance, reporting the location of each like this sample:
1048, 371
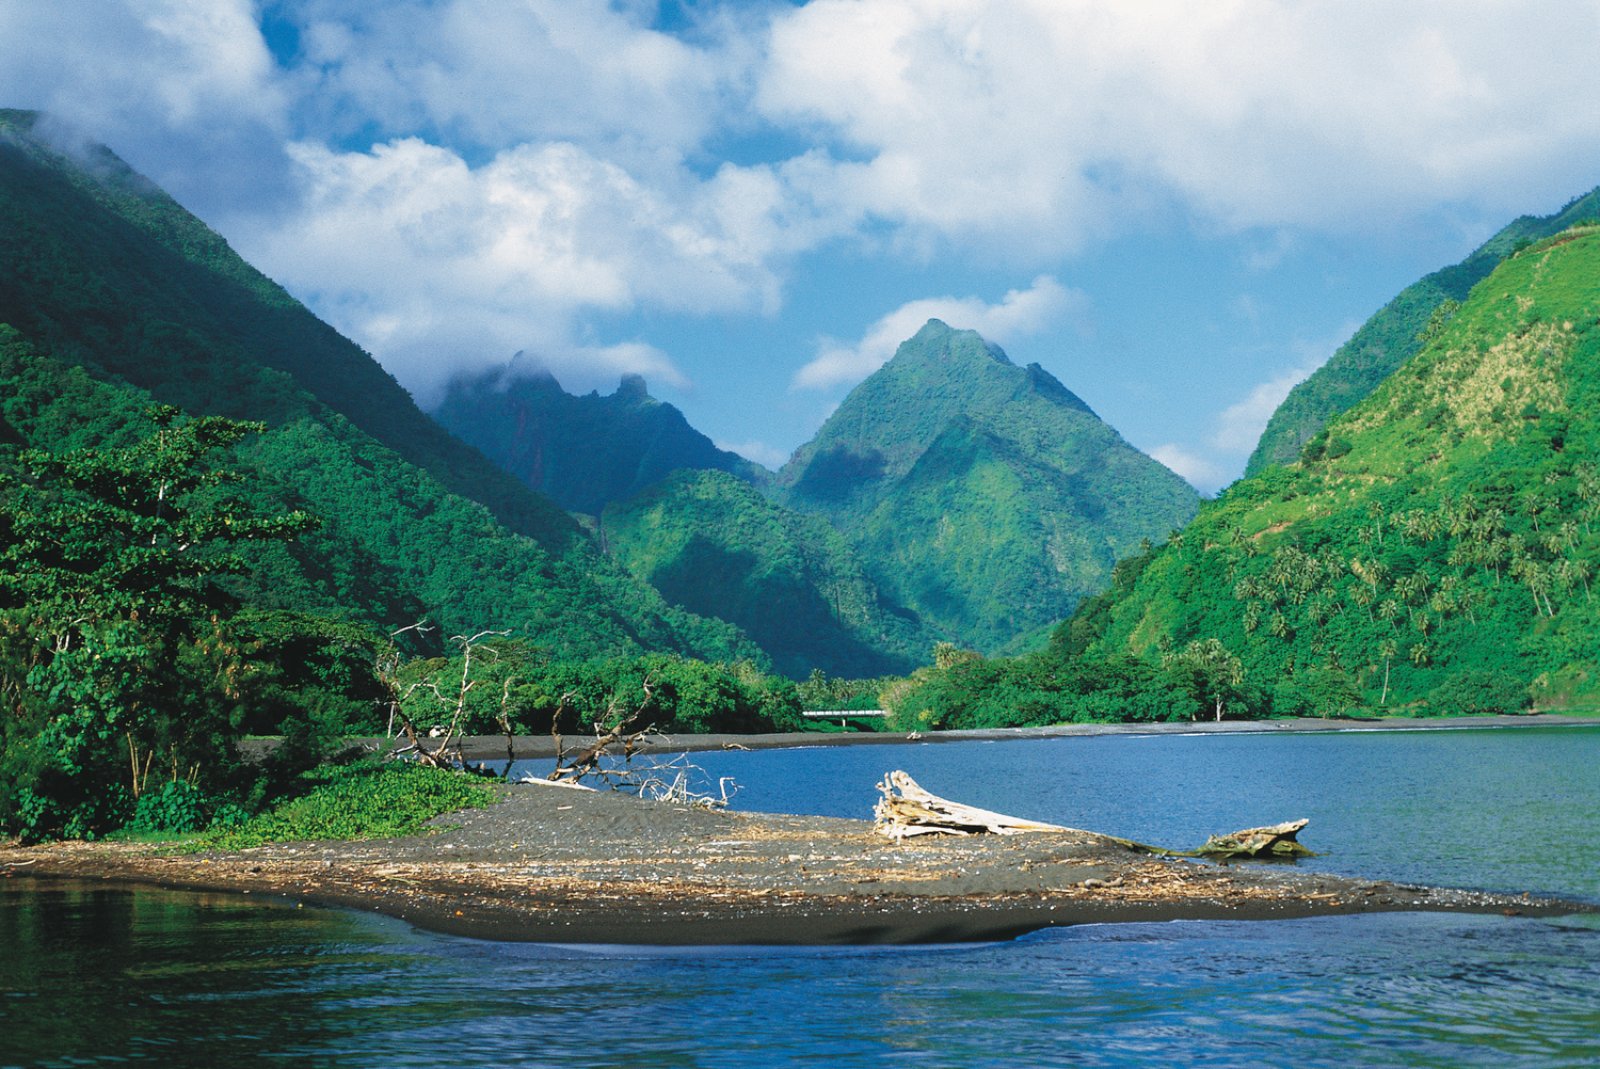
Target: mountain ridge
104, 272
984, 496
583, 451
1434, 547
1395, 333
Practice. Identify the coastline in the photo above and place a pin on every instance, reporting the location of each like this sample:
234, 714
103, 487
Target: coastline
553, 865
536, 747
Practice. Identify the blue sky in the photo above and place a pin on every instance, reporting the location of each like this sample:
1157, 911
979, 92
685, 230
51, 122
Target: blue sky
1179, 209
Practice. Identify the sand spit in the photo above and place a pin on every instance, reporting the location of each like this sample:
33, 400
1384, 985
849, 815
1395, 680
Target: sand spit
565, 866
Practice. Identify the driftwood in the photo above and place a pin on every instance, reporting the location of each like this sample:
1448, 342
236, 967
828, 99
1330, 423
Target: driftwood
1275, 841
906, 810
913, 811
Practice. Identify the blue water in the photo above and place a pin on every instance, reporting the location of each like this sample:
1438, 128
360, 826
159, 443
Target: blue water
91, 975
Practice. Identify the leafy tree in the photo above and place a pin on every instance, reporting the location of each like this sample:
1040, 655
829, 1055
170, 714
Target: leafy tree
117, 665
1211, 671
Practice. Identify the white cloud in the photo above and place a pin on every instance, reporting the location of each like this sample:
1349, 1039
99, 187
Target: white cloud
1038, 123
184, 89
438, 266
1200, 472
498, 74
175, 62
768, 456
1240, 425
1045, 305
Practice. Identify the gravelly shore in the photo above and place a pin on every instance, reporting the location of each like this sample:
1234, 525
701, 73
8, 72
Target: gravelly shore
535, 747
549, 864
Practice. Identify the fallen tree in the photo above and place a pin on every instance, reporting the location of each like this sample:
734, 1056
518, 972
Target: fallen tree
907, 810
1277, 840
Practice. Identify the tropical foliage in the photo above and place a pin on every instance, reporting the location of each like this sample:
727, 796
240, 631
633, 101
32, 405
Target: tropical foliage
714, 545
984, 497
1397, 332
1435, 546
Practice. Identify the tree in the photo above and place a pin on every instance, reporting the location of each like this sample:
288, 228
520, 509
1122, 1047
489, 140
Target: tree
115, 665
1210, 670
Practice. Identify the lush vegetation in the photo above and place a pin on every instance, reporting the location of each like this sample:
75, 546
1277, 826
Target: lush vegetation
985, 497
1434, 547
505, 685
1433, 551
364, 800
133, 659
1397, 332
714, 545
584, 452
214, 513
102, 271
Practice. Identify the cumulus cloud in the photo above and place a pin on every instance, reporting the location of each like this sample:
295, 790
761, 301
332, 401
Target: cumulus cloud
496, 74
1043, 306
438, 266
1039, 123
545, 167
187, 91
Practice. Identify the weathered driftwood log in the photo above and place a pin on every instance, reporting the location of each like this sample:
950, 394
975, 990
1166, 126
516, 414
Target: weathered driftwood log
913, 811
1275, 841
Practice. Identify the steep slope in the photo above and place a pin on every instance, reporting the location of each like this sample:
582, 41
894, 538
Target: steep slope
102, 271
984, 496
1437, 545
581, 451
714, 546
1396, 333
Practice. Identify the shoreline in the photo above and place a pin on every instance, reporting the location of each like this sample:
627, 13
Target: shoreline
537, 747
553, 865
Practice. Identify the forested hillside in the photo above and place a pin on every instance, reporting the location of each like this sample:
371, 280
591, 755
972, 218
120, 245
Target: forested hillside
101, 270
714, 545
582, 451
1434, 547
1396, 333
218, 518
983, 496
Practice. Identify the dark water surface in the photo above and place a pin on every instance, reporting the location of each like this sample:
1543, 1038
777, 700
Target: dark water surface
94, 976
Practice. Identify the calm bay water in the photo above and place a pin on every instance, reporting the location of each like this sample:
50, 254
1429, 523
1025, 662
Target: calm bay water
90, 975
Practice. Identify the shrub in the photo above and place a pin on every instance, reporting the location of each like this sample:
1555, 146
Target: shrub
361, 801
1478, 692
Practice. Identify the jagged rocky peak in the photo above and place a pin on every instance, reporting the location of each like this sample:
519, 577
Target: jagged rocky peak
632, 388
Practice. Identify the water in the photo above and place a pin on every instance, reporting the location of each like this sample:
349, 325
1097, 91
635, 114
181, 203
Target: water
90, 975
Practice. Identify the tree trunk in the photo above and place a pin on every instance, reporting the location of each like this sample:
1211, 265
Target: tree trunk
914, 811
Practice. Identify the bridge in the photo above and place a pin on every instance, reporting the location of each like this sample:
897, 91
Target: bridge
842, 715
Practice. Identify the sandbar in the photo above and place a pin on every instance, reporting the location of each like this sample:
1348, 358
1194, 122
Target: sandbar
553, 865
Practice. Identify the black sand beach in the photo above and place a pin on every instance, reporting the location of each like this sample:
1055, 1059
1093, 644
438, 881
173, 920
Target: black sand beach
551, 864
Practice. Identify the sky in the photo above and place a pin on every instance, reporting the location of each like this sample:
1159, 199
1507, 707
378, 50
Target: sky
1179, 209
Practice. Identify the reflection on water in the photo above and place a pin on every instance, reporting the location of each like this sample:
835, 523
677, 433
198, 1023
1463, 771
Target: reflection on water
92, 975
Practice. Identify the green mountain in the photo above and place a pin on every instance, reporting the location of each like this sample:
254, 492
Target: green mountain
1436, 545
103, 275
581, 451
1396, 333
985, 497
712, 544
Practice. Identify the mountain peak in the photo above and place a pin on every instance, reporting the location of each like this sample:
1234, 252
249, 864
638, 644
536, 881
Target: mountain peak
938, 342
989, 495
632, 388
583, 451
